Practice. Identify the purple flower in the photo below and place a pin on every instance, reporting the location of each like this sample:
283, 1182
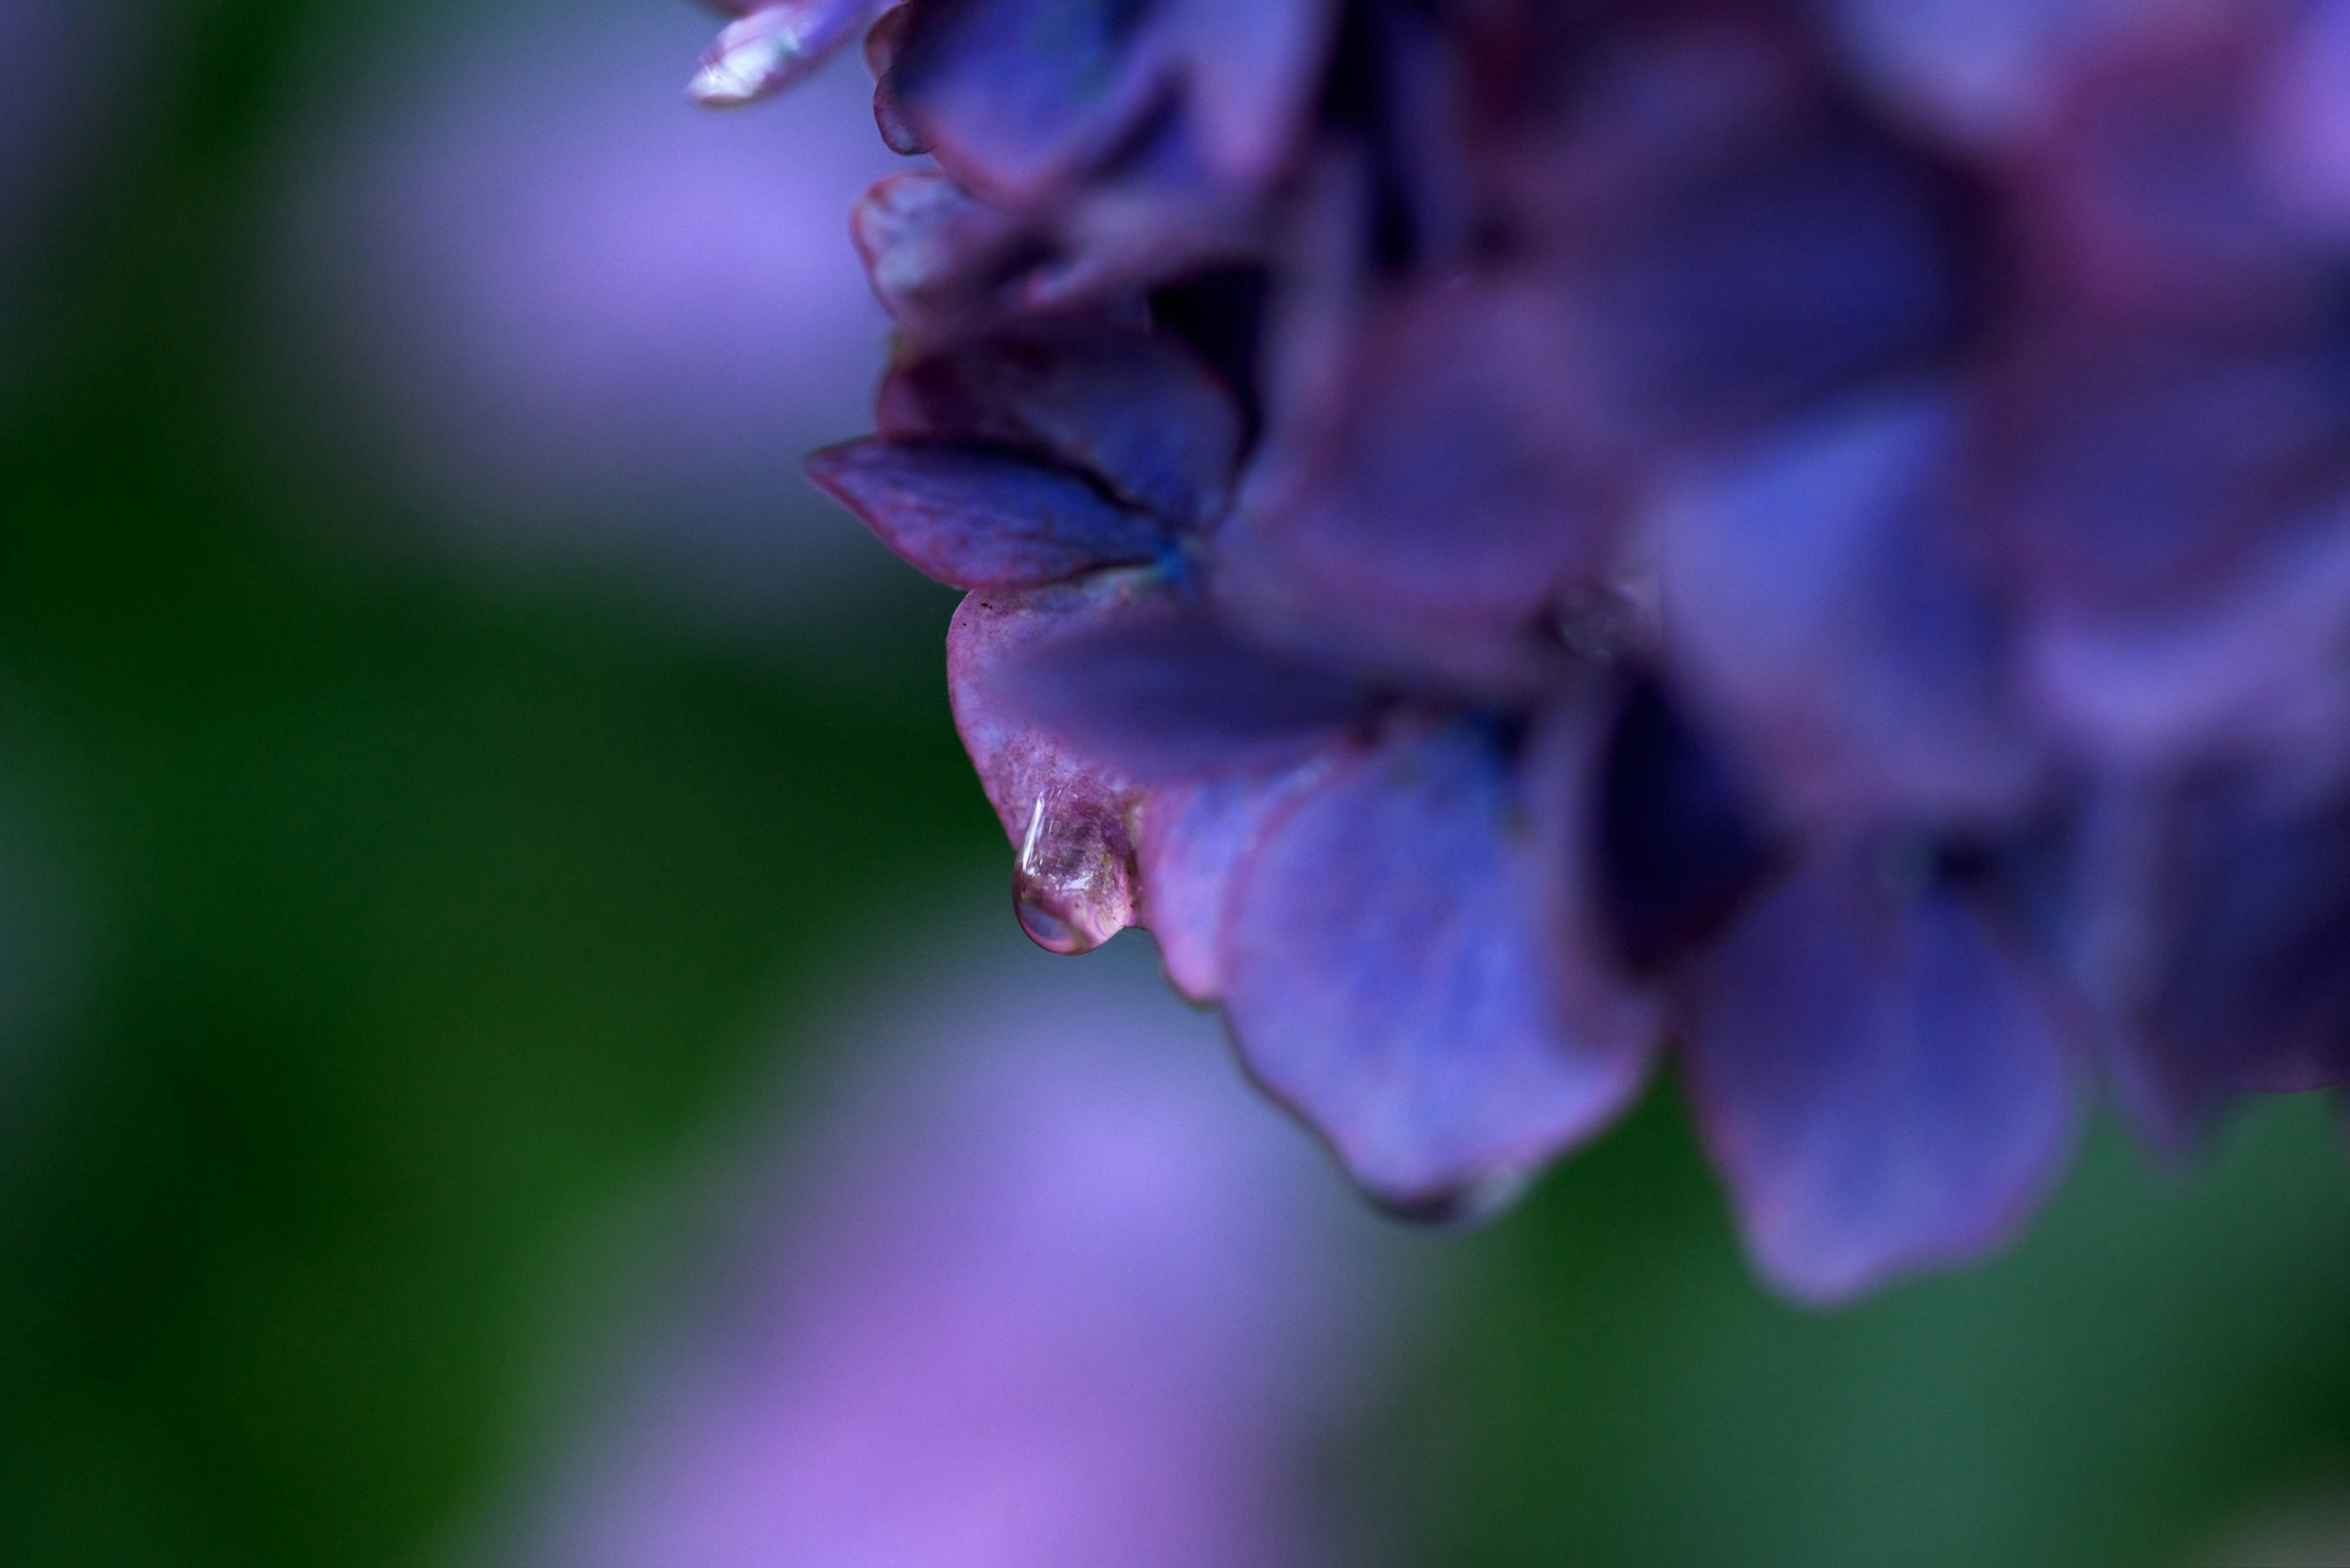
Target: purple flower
1685, 531
1046, 1293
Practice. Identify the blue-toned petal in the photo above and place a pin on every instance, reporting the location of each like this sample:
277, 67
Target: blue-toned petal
1195, 838
2212, 929
1138, 412
1818, 608
1429, 474
1250, 69
979, 518
1394, 971
1176, 697
1884, 1087
1017, 98
1071, 820
1807, 268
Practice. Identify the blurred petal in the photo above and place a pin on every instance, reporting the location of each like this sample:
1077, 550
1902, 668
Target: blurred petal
1073, 883
1884, 1088
1818, 608
773, 47
1778, 280
2216, 941
1016, 97
1251, 72
1175, 697
938, 259
1433, 475
1195, 838
1136, 411
1394, 973
982, 519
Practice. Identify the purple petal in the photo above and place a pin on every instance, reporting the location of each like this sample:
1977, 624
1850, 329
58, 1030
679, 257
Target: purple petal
938, 259
1251, 67
2214, 937
980, 518
1017, 96
1884, 1088
1431, 475
1766, 286
1175, 697
1195, 838
2302, 130
1138, 412
1073, 885
774, 47
1396, 969
2139, 473
1816, 604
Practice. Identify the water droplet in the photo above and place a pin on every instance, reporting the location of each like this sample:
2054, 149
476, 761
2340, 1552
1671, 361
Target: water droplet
1073, 887
770, 48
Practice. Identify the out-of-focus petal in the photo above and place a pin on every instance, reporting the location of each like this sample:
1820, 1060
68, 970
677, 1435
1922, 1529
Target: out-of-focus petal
1393, 973
2212, 933
774, 47
1251, 72
938, 259
1818, 607
1138, 412
1072, 820
1195, 838
1812, 265
1017, 96
1176, 696
979, 517
1431, 473
2300, 135
1884, 1087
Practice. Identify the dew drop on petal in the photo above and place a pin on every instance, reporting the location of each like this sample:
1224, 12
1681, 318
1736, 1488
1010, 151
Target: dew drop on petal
1073, 885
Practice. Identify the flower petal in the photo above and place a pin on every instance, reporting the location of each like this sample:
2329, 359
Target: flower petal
939, 260
1018, 97
1073, 885
1393, 968
1817, 605
1138, 412
1176, 696
772, 47
1195, 838
983, 518
1884, 1088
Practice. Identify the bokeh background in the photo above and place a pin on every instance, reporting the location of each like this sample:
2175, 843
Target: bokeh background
512, 1047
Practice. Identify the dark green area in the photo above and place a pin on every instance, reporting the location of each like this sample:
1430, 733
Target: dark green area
427, 919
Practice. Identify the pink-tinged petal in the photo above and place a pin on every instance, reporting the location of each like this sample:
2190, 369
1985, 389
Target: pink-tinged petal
938, 258
1140, 413
1818, 608
1195, 838
1017, 97
1175, 697
978, 518
772, 47
1428, 473
1396, 971
1885, 1089
1071, 820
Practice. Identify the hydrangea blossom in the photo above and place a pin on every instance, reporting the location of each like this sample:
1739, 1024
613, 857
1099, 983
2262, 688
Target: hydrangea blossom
1807, 536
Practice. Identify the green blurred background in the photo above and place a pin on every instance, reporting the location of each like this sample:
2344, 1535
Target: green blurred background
392, 923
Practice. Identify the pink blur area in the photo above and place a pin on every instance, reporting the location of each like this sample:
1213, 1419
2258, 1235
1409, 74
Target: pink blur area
522, 283
1036, 1284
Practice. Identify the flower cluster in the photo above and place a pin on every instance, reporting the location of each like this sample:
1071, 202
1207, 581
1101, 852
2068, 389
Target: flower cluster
1515, 535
